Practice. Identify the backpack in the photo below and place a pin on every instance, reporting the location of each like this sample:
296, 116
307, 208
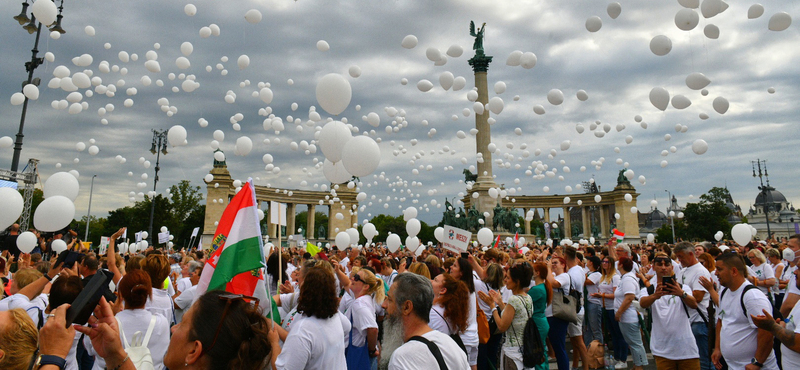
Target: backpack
139, 353
741, 298
532, 349
437, 353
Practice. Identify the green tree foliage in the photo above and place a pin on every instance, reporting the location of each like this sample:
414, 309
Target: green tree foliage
705, 218
300, 220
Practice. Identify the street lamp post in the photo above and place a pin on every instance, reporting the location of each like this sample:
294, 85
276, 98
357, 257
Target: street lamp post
671, 215
765, 190
159, 146
31, 66
89, 211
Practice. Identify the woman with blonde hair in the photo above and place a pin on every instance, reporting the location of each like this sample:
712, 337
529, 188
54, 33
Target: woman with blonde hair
420, 268
605, 290
763, 276
362, 348
19, 340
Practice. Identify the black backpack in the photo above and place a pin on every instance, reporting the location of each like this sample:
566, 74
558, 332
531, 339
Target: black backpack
741, 298
532, 349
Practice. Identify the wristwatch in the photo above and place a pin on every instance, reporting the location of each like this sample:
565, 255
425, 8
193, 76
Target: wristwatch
684, 295
58, 361
754, 362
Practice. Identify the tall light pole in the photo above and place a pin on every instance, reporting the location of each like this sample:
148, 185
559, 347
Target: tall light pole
31, 66
89, 211
159, 146
671, 215
765, 190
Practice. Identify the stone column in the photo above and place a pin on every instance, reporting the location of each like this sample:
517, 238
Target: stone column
290, 215
628, 222
271, 231
485, 180
567, 224
604, 218
310, 234
331, 217
587, 222
527, 223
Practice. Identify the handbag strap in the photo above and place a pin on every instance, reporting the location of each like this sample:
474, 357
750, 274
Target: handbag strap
445, 320
437, 354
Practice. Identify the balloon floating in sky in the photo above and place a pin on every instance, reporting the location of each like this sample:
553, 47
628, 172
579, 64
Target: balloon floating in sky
755, 11
720, 105
555, 97
253, 16
322, 45
780, 21
660, 45
409, 42
614, 10
699, 146
594, 23
334, 93
659, 97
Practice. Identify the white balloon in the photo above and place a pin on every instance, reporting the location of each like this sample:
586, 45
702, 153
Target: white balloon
353, 234
424, 85
332, 140
693, 4
322, 45
628, 198
54, 213
176, 135
755, 11
780, 21
699, 146
393, 242
741, 234
409, 42
614, 10
686, 19
208, 177
720, 105
513, 59
355, 72
459, 83
187, 48
11, 203
17, 98
243, 61
253, 16
26, 241
681, 102
61, 184
413, 227
438, 233
361, 156
455, 51
485, 236
182, 63
710, 8
244, 145
409, 213
718, 236
582, 95
445, 80
555, 97
335, 172
31, 91
190, 9
660, 45
594, 23
697, 81
496, 105
342, 240
651, 238
58, 246
659, 97
45, 11
334, 93
433, 54
711, 31
527, 60
412, 243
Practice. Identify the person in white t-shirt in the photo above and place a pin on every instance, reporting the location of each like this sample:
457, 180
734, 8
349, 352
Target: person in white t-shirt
559, 279
594, 304
626, 314
745, 346
575, 330
184, 298
778, 266
690, 275
316, 339
408, 342
160, 301
792, 291
787, 332
462, 270
671, 341
363, 347
764, 277
450, 303
605, 292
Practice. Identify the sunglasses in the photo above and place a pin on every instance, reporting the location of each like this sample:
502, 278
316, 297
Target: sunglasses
357, 277
662, 260
606, 262
229, 299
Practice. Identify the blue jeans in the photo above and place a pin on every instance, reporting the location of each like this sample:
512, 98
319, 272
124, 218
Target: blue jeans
558, 339
630, 331
593, 327
620, 346
700, 332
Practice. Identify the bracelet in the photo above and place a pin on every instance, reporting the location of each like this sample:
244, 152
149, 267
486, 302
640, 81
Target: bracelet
120, 364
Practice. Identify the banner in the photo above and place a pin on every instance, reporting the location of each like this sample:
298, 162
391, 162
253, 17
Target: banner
455, 239
195, 231
104, 240
277, 213
163, 238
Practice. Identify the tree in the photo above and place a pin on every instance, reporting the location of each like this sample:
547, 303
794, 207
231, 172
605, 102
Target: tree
705, 218
97, 229
664, 233
301, 220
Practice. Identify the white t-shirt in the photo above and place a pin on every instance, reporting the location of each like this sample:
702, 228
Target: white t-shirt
788, 274
762, 273
789, 358
314, 343
608, 288
691, 276
183, 301
161, 304
594, 277
72, 362
480, 286
32, 307
183, 284
792, 287
564, 280
776, 288
439, 322
739, 331
470, 337
627, 285
577, 279
137, 321
362, 315
672, 336
415, 355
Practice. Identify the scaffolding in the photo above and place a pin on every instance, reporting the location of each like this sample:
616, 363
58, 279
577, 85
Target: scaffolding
29, 177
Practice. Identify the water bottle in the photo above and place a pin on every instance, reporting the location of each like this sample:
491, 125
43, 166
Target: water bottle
608, 359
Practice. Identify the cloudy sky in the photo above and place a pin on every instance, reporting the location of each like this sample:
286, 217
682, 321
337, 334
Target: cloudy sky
614, 66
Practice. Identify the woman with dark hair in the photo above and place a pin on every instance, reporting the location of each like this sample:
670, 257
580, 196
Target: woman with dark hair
160, 302
462, 270
316, 340
515, 314
449, 311
487, 352
559, 279
135, 291
541, 296
594, 305
605, 291
626, 315
272, 271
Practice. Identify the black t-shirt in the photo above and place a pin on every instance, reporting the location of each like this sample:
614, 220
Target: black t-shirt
10, 244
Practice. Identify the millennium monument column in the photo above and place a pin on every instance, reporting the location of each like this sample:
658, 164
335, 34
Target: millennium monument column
480, 66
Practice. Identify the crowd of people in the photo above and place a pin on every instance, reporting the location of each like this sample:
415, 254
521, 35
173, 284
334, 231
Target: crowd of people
690, 305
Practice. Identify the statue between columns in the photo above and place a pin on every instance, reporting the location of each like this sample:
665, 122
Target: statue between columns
478, 45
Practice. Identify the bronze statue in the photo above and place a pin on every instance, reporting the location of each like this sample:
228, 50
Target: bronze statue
478, 45
469, 176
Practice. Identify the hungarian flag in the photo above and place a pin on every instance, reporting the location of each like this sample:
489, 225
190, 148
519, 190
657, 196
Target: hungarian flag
237, 263
496, 242
516, 240
619, 235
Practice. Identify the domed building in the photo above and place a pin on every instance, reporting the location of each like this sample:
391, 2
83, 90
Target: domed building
772, 204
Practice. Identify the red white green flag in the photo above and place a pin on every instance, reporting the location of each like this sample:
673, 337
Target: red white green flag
496, 242
237, 263
619, 235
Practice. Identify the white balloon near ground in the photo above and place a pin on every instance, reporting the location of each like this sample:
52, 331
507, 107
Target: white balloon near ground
334, 93
11, 203
485, 236
54, 213
660, 45
61, 184
594, 23
342, 240
393, 242
27, 240
741, 234
699, 146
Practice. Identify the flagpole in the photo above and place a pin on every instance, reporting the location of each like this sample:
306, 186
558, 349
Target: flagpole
280, 248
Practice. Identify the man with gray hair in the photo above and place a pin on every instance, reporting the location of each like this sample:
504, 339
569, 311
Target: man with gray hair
408, 341
690, 275
183, 299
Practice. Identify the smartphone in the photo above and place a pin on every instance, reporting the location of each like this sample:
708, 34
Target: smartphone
409, 261
84, 304
67, 258
668, 280
464, 255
